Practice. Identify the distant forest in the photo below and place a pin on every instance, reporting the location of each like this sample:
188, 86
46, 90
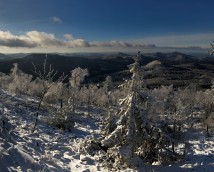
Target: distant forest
177, 69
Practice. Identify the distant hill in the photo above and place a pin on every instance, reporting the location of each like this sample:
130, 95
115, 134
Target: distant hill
11, 56
98, 68
176, 68
18, 55
4, 56
182, 70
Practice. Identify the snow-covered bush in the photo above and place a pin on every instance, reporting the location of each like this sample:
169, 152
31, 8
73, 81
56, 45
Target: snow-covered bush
35, 88
56, 94
100, 98
205, 101
62, 118
5, 80
4, 123
77, 77
159, 102
108, 88
88, 94
17, 81
87, 145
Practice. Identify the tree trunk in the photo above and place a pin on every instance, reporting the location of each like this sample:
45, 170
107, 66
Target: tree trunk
37, 112
88, 104
173, 137
61, 103
207, 129
73, 106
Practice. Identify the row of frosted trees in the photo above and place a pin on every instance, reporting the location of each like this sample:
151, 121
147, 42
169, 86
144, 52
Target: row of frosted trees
57, 91
63, 98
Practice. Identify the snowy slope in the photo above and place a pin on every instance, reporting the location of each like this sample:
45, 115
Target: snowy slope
47, 149
50, 149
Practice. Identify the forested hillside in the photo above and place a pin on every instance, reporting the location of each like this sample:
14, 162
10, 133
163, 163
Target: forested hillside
176, 68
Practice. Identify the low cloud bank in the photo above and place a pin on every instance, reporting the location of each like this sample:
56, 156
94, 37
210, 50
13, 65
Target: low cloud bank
35, 39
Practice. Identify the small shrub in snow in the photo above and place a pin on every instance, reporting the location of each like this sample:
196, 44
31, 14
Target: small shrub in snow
62, 118
87, 145
87, 94
109, 125
4, 123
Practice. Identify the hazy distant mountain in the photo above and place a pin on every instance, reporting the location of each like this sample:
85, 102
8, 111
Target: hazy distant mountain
117, 55
98, 68
18, 55
4, 56
176, 68
12, 56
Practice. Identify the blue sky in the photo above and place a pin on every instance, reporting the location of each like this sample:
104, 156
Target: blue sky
104, 25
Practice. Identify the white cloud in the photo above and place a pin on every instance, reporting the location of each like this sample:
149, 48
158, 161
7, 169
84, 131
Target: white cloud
44, 39
78, 43
9, 40
68, 36
30, 39
48, 42
34, 39
116, 43
56, 19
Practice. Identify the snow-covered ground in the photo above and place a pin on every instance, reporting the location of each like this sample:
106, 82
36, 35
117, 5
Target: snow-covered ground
51, 149
47, 149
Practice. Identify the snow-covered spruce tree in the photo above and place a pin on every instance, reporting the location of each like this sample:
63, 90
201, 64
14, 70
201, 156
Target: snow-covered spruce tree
133, 139
107, 87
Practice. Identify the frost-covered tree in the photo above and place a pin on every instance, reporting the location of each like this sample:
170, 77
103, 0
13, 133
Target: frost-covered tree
46, 78
121, 141
174, 107
57, 93
205, 101
184, 106
107, 88
77, 77
159, 102
35, 87
17, 81
133, 138
88, 95
108, 84
5, 80
61, 92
